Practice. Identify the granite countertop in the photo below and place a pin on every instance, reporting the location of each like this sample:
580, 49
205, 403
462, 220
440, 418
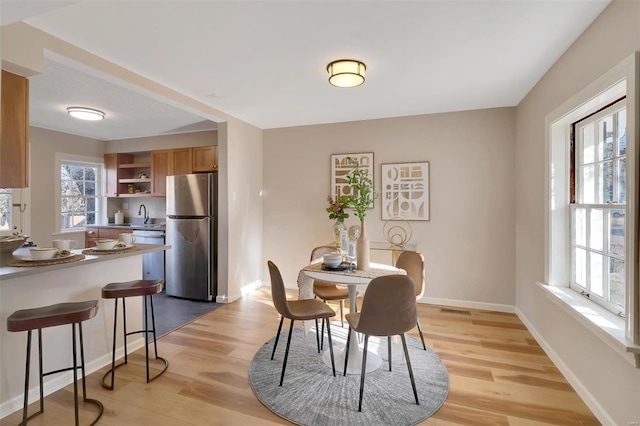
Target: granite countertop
135, 226
7, 272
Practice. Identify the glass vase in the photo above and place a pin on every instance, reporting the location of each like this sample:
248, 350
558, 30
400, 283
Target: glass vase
338, 227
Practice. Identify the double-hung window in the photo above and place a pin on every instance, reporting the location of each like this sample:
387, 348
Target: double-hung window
79, 198
591, 250
598, 209
5, 211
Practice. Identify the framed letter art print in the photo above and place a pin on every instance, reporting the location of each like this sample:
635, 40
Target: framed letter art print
340, 168
405, 191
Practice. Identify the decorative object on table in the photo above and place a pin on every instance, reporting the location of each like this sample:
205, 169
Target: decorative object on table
341, 166
42, 253
354, 232
11, 243
64, 244
115, 250
337, 212
352, 254
397, 232
28, 262
405, 191
313, 377
332, 260
363, 195
106, 244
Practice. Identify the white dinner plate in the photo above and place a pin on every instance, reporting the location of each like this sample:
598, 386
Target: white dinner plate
30, 259
111, 249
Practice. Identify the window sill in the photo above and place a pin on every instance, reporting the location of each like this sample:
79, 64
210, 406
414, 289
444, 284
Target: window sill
608, 327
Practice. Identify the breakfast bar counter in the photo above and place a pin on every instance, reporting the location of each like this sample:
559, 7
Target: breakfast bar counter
23, 287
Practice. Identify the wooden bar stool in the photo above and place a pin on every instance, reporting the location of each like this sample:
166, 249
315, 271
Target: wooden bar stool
51, 316
145, 288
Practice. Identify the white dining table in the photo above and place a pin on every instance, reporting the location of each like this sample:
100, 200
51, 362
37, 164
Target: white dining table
352, 279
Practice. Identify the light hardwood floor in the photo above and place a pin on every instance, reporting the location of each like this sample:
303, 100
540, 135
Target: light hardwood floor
499, 375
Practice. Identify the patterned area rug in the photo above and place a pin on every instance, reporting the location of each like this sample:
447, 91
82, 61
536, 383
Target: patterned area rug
310, 395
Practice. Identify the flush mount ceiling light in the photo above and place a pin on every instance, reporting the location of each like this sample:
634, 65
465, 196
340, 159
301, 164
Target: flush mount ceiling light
346, 73
85, 113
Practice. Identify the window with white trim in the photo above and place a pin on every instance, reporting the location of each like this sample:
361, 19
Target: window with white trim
587, 210
5, 211
598, 209
80, 185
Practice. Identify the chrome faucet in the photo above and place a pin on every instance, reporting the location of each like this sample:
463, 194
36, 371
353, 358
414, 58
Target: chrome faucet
146, 214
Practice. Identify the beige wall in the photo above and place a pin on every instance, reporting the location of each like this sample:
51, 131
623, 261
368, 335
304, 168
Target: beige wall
181, 140
44, 144
240, 161
608, 383
468, 244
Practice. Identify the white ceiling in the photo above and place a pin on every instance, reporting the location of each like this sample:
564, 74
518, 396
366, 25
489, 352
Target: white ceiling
264, 61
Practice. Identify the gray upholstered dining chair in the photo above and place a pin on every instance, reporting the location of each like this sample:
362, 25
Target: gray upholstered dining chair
388, 309
413, 263
302, 310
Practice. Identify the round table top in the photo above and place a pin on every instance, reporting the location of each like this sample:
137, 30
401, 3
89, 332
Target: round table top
357, 277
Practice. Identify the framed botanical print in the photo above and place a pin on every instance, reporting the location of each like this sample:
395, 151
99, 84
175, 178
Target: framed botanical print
405, 191
340, 168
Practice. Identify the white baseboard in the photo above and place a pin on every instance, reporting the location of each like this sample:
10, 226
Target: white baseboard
586, 396
469, 304
59, 381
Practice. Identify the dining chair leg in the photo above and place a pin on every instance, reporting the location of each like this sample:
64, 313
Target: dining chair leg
322, 335
406, 355
286, 353
421, 336
389, 350
364, 369
317, 335
341, 313
346, 351
333, 364
275, 345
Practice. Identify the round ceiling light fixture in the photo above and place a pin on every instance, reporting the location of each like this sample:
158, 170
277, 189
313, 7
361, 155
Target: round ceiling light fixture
346, 73
85, 113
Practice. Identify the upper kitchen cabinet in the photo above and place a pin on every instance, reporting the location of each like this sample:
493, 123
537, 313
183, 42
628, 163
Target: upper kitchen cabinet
205, 159
127, 176
169, 162
111, 175
182, 161
161, 167
14, 131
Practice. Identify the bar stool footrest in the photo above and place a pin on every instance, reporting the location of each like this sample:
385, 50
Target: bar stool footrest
99, 405
166, 365
106, 386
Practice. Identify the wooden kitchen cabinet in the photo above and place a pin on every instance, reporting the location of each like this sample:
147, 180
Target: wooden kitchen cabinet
111, 175
122, 172
14, 131
205, 159
169, 162
182, 161
161, 165
90, 236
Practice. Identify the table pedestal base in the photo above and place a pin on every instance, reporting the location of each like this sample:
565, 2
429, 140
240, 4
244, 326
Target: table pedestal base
374, 361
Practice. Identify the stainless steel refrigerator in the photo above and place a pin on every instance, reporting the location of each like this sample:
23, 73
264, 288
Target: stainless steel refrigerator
192, 233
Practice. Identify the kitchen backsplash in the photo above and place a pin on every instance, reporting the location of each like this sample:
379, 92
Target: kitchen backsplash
156, 206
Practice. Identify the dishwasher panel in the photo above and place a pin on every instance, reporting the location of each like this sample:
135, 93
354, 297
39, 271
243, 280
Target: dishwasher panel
152, 263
